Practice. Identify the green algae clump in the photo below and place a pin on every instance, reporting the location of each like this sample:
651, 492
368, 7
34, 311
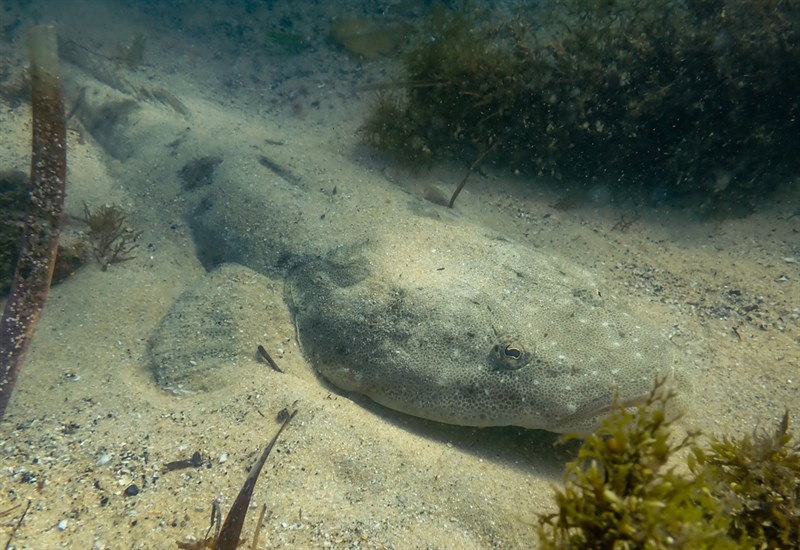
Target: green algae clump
625, 490
621, 492
758, 477
695, 100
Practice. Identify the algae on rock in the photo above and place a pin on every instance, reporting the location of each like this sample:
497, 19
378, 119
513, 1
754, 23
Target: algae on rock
625, 490
697, 98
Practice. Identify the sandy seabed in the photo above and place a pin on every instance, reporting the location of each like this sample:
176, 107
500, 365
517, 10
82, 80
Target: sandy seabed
87, 422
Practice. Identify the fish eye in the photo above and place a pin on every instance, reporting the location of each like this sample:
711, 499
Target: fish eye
514, 351
509, 355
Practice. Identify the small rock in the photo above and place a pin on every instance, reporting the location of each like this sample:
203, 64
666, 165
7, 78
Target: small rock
131, 490
62, 525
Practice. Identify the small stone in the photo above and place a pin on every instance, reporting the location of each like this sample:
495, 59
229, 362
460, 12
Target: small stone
62, 525
223, 457
131, 490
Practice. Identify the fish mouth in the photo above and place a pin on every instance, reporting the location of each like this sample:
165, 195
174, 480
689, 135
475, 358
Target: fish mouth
589, 416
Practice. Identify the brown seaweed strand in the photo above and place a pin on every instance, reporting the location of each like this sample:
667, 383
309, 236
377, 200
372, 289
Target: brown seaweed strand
45, 208
469, 173
234, 521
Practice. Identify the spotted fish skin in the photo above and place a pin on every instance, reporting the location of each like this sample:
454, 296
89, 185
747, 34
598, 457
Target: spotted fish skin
521, 340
